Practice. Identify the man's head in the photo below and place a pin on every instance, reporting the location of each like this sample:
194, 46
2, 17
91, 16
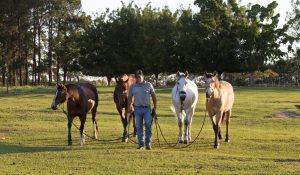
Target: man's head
139, 75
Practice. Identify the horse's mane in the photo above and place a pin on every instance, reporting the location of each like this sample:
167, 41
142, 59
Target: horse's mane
217, 82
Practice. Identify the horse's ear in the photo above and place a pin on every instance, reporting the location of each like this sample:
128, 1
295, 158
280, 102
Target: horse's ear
63, 86
178, 73
186, 74
116, 78
215, 73
205, 74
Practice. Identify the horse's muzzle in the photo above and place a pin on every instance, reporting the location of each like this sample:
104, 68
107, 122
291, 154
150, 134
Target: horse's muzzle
182, 95
53, 106
207, 95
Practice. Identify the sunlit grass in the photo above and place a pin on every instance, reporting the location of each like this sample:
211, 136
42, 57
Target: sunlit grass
33, 138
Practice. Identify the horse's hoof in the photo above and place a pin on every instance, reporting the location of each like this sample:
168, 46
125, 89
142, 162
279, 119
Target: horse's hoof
185, 141
180, 141
217, 146
69, 143
124, 139
220, 137
227, 140
95, 136
81, 142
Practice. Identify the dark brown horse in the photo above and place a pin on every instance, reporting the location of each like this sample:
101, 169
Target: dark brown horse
123, 84
81, 99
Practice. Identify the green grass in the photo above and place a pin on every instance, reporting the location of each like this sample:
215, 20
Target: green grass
33, 138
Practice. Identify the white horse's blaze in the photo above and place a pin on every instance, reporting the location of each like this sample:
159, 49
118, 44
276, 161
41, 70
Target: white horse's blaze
188, 105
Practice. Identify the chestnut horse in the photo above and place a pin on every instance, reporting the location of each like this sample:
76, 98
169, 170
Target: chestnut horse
219, 101
123, 84
81, 99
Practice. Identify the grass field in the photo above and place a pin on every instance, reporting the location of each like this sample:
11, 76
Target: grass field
33, 138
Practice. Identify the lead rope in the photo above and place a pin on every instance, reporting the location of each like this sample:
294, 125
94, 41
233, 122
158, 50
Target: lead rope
173, 146
109, 140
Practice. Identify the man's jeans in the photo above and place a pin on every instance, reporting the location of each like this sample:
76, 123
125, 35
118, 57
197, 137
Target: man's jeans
143, 113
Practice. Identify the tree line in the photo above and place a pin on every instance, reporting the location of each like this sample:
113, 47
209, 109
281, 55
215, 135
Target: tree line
42, 41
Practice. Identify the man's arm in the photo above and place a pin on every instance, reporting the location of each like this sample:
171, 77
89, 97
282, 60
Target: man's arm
154, 101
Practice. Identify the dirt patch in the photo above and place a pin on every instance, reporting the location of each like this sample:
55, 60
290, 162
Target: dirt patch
285, 115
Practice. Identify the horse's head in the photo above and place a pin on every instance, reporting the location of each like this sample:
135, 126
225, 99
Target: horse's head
120, 93
211, 83
182, 84
60, 96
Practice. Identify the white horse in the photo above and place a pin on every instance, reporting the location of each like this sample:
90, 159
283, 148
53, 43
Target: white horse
184, 98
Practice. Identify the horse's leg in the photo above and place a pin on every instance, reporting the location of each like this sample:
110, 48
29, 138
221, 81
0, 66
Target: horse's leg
217, 127
180, 121
81, 128
70, 121
123, 123
95, 126
228, 113
190, 125
186, 126
222, 119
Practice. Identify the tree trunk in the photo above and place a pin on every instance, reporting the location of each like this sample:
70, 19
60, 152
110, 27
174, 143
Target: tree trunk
50, 42
20, 63
39, 51
20, 75
26, 66
252, 79
34, 65
57, 73
156, 80
14, 74
3, 76
65, 75
9, 77
58, 56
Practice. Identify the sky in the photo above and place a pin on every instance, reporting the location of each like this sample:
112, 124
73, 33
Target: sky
98, 6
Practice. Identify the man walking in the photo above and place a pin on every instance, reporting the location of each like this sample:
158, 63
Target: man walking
139, 94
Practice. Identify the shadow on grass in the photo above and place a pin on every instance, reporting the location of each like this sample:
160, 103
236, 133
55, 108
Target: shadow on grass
5, 149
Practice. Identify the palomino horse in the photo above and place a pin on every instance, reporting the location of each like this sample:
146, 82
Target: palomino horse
121, 99
184, 98
219, 101
81, 99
